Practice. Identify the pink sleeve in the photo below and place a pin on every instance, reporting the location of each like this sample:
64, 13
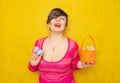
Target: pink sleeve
30, 67
75, 56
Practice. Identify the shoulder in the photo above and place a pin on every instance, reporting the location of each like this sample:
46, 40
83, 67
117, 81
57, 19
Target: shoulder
72, 42
39, 41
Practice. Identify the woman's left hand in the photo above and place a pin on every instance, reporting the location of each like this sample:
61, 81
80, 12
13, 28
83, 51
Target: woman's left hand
87, 64
84, 64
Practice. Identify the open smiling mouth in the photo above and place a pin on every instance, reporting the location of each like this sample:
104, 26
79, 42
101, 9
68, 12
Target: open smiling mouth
57, 25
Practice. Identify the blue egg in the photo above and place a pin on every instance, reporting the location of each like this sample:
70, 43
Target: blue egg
40, 52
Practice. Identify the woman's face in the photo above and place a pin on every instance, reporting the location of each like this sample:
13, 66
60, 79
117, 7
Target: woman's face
58, 24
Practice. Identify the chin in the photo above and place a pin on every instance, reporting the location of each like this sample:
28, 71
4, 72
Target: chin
58, 30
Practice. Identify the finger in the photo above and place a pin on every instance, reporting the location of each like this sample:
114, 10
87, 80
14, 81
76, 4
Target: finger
38, 59
35, 55
90, 64
32, 58
84, 64
87, 64
39, 56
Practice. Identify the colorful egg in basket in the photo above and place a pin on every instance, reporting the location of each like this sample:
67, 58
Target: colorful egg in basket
88, 50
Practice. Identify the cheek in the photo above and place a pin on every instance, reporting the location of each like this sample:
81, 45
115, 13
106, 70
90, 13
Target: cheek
51, 23
64, 23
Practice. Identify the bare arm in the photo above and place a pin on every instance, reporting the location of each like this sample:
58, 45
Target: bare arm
34, 61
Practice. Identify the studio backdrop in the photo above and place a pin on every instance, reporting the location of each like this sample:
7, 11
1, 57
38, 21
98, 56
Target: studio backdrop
22, 22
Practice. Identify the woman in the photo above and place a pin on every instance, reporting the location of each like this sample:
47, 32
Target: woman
60, 53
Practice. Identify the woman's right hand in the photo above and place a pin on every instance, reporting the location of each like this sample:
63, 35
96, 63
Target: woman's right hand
35, 59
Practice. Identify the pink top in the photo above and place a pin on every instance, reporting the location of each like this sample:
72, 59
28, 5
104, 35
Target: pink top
58, 71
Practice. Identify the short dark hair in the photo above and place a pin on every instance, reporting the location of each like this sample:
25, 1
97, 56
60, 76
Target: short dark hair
56, 12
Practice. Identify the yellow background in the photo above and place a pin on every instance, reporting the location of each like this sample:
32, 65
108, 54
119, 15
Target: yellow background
24, 21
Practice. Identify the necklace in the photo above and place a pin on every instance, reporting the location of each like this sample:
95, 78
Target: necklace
54, 46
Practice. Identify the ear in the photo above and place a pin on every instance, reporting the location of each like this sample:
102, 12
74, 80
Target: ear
49, 24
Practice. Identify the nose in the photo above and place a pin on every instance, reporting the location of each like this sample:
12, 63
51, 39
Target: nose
57, 19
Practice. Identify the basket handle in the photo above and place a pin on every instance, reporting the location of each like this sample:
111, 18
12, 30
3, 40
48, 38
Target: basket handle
90, 38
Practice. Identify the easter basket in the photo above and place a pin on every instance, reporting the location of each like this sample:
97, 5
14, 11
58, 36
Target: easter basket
88, 51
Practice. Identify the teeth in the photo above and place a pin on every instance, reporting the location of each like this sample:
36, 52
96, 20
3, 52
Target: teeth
56, 24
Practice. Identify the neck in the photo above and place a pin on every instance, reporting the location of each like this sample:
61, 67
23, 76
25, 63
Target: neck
55, 39
54, 36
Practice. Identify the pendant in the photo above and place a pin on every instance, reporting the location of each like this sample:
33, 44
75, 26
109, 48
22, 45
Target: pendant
53, 49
